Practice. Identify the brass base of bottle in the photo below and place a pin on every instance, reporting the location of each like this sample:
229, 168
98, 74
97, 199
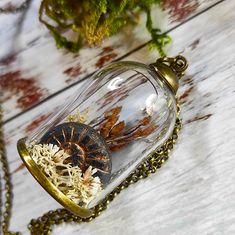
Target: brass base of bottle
48, 185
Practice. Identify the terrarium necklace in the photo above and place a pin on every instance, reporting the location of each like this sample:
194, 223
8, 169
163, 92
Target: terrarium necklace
118, 128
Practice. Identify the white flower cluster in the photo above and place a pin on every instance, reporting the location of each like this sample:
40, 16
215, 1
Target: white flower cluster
80, 187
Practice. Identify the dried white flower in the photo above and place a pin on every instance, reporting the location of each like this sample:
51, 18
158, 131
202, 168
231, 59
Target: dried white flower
89, 186
81, 188
78, 117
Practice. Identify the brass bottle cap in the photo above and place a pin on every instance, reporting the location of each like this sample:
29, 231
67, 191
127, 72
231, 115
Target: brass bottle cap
170, 70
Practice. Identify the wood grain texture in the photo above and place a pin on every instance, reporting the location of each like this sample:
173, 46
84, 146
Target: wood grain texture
194, 192
33, 59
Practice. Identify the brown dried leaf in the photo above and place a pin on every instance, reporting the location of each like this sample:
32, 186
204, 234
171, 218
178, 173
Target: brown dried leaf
117, 129
147, 131
107, 126
145, 121
113, 112
111, 117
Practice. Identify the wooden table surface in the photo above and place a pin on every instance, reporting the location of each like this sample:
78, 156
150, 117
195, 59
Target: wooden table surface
194, 193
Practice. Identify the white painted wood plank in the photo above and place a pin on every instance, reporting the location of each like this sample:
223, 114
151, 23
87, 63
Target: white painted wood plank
194, 192
33, 60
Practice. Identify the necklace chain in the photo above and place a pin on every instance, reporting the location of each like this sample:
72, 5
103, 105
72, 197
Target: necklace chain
11, 9
43, 225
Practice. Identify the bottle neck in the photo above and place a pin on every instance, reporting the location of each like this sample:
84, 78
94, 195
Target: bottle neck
170, 70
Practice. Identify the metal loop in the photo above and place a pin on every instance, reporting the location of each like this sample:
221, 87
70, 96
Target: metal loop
178, 64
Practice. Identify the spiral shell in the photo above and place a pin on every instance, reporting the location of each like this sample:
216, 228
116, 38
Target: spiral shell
84, 146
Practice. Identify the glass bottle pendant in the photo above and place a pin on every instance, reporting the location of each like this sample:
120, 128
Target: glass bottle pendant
120, 115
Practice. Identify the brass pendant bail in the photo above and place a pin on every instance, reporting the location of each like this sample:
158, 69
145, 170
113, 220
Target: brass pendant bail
170, 69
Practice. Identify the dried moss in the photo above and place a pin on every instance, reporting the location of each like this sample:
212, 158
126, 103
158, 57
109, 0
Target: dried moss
80, 187
91, 21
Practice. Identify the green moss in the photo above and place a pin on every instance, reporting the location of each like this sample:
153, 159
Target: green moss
93, 20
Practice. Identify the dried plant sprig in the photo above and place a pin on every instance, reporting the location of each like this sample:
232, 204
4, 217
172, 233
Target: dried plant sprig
80, 187
91, 21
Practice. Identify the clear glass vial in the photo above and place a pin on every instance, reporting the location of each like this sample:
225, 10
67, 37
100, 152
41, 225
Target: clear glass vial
120, 115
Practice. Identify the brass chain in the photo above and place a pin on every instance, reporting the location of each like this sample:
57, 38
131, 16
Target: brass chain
7, 204
43, 225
